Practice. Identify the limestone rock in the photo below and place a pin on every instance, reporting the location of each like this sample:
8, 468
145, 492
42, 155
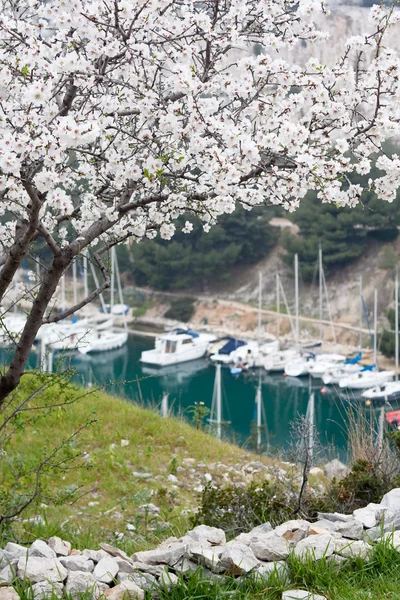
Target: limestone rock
316, 530
95, 555
150, 509
350, 529
8, 593
44, 590
325, 524
124, 591
294, 536
167, 580
301, 595
167, 554
41, 549
185, 565
8, 560
392, 537
238, 559
334, 517
80, 583
315, 546
336, 469
292, 526
356, 549
60, 547
77, 563
272, 548
370, 515
260, 529
113, 551
206, 557
215, 536
265, 570
143, 580
389, 523
391, 500
7, 575
37, 569
106, 569
16, 550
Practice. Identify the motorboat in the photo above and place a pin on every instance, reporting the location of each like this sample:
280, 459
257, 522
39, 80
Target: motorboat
333, 376
177, 346
388, 392
223, 350
366, 378
275, 362
102, 341
301, 366
319, 367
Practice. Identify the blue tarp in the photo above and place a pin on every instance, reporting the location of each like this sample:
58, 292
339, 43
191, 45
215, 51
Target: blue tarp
369, 368
353, 361
193, 334
231, 345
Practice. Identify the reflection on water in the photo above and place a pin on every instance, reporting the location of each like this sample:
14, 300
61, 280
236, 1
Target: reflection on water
284, 398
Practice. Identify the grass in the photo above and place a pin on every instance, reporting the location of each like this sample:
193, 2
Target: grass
109, 495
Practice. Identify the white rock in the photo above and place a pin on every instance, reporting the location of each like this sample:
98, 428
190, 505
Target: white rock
281, 569
301, 595
334, 516
264, 528
41, 549
392, 537
350, 529
165, 554
356, 549
315, 546
106, 569
124, 443
149, 508
238, 559
212, 534
391, 500
8, 593
167, 580
316, 471
95, 555
143, 580
186, 566
370, 515
7, 575
271, 548
206, 557
292, 526
16, 550
37, 569
77, 563
130, 527
124, 591
44, 590
60, 547
336, 469
172, 478
80, 583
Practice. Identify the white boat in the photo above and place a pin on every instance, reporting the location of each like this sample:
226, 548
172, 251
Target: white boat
225, 352
275, 363
177, 346
11, 327
365, 379
333, 376
102, 341
302, 366
388, 392
319, 367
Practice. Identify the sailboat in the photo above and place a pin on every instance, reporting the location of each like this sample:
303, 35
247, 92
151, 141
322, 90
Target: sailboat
369, 376
390, 391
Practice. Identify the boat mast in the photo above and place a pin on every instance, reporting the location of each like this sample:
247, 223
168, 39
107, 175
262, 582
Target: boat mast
120, 295
259, 404
361, 312
164, 405
396, 321
259, 304
85, 275
219, 402
310, 416
375, 327
112, 276
320, 290
296, 293
278, 308
74, 282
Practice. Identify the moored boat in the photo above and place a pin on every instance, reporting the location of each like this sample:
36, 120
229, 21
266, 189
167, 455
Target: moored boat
176, 346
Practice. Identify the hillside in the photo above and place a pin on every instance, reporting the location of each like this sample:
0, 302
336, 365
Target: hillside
139, 479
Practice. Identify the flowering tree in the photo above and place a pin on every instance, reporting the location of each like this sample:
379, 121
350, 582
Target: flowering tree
117, 116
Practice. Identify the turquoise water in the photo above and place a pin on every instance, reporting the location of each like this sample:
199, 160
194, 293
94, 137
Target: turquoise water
284, 398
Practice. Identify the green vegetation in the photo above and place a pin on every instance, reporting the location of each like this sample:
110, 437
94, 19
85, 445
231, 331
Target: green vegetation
181, 309
374, 579
388, 338
344, 233
96, 501
242, 238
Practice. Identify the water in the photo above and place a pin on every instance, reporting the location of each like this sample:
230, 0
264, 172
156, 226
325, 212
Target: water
284, 398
